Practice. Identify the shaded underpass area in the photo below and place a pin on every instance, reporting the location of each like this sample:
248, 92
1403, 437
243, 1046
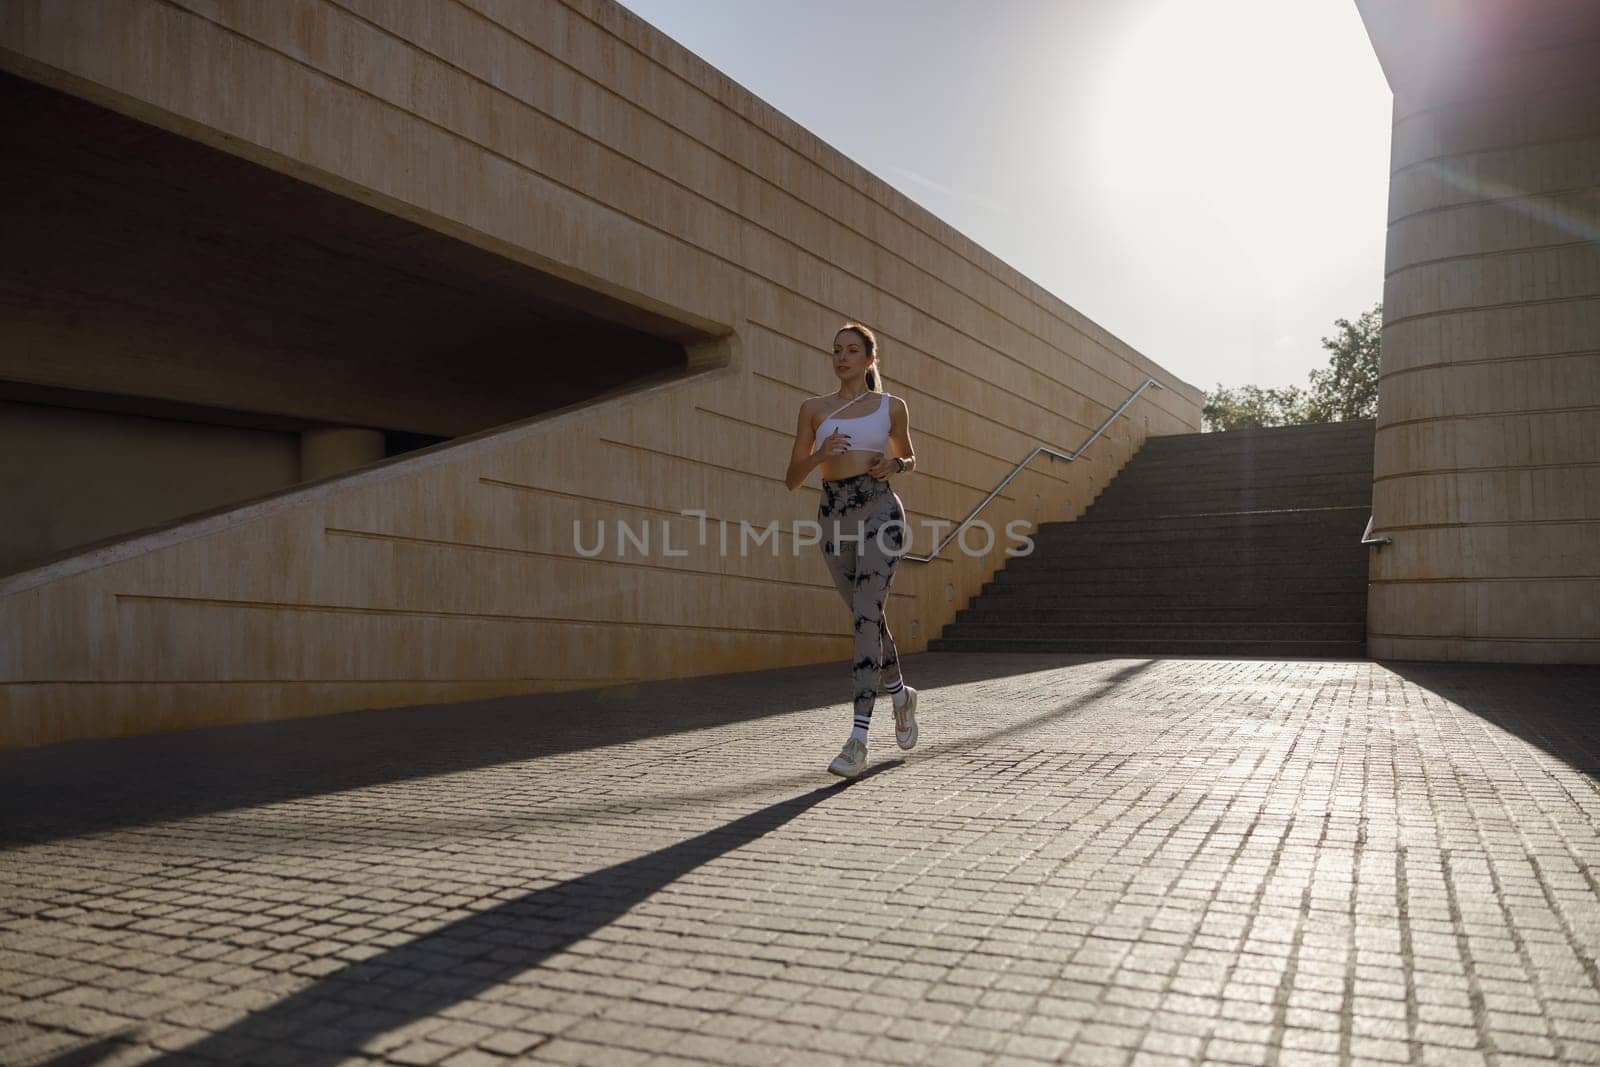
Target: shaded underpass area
189, 329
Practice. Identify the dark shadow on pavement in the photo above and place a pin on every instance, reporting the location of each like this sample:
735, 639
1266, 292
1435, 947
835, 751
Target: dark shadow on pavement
83, 787
1555, 707
95, 1051
329, 1020
695, 798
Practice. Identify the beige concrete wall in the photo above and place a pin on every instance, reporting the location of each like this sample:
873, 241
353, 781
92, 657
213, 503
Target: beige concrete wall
73, 477
577, 140
1488, 446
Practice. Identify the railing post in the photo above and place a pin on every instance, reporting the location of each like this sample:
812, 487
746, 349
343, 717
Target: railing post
1054, 455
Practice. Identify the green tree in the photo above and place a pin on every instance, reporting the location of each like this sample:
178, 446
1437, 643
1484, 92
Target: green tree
1346, 389
1250, 406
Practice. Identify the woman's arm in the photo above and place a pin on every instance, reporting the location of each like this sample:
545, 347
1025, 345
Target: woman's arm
802, 460
899, 442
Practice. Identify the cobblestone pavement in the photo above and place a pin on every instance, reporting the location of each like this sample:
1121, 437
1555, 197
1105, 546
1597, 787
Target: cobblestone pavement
1112, 861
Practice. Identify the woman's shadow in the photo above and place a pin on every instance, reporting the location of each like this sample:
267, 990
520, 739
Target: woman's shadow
329, 1021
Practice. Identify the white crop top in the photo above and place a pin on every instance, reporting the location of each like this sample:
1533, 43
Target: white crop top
868, 433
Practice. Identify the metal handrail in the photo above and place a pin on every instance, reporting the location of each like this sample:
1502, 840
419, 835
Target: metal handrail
1368, 539
1054, 454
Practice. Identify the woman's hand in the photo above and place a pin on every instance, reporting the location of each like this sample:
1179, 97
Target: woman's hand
882, 467
803, 462
835, 444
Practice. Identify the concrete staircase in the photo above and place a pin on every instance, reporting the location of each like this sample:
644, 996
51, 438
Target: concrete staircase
1244, 543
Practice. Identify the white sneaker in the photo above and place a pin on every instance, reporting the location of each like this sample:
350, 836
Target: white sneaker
850, 760
905, 721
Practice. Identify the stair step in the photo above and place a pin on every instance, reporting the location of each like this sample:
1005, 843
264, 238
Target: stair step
1274, 465
1267, 464
986, 613
1086, 538
1308, 518
1109, 598
1351, 490
1243, 550
1348, 457
1218, 446
1239, 561
1206, 505
1238, 649
1216, 576
1064, 585
1104, 630
1164, 481
1324, 493
1356, 429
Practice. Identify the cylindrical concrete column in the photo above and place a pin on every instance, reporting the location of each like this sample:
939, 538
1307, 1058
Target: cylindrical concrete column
330, 451
1488, 439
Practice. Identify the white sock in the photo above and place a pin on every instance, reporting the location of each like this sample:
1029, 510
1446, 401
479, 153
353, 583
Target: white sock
900, 696
859, 733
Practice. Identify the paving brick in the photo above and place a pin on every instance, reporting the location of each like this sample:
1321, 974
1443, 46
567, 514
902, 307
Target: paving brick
1086, 861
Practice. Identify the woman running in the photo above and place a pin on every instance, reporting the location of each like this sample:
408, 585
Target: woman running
865, 438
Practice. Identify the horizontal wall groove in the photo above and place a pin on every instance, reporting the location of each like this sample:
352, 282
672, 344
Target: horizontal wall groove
1515, 198
953, 291
1495, 578
884, 335
1512, 467
1468, 416
1040, 472
653, 227
662, 453
1474, 308
1472, 638
980, 382
789, 436
1503, 78
635, 447
1466, 153
468, 616
647, 507
1494, 254
660, 511
931, 398
584, 498
1474, 103
468, 546
1486, 361
1498, 524
995, 268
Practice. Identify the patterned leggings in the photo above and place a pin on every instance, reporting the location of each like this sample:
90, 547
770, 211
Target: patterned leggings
851, 513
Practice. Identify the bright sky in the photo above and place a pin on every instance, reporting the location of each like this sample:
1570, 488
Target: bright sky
1207, 179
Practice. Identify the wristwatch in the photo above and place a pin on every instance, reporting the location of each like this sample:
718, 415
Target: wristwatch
899, 465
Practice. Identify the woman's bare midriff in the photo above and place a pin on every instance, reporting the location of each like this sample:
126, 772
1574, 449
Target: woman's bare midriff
847, 465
